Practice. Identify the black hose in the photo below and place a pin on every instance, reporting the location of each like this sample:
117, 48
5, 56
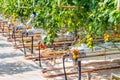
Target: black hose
12, 32
23, 45
32, 44
67, 55
9, 30
79, 70
14, 36
39, 54
3, 28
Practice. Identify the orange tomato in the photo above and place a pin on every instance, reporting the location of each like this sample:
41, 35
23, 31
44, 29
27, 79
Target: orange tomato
10, 21
116, 35
15, 25
42, 46
27, 27
106, 36
74, 51
116, 28
56, 44
74, 57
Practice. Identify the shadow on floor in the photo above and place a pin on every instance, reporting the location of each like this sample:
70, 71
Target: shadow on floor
5, 45
16, 67
12, 54
2, 39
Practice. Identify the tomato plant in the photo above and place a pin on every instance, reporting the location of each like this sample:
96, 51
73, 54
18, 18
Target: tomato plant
91, 18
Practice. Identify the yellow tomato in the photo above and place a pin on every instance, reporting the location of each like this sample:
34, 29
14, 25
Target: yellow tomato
27, 27
74, 57
10, 21
78, 56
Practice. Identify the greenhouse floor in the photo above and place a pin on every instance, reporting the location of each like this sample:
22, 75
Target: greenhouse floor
13, 66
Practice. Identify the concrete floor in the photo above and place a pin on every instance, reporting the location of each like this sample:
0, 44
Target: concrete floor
13, 66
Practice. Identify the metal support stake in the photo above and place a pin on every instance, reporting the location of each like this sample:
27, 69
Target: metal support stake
9, 31
14, 36
32, 44
18, 3
23, 44
64, 66
3, 28
118, 5
79, 70
12, 33
89, 76
39, 54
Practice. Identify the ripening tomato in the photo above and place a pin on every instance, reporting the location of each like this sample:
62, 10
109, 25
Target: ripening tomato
56, 44
42, 46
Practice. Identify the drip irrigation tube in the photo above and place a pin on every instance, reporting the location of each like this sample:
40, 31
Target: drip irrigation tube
64, 65
39, 54
23, 44
32, 38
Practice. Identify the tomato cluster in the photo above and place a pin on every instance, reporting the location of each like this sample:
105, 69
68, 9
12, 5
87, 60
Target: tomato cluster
28, 27
106, 37
89, 41
42, 46
75, 54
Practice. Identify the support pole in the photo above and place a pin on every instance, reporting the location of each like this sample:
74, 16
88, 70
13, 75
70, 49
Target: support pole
3, 28
64, 6
58, 3
65, 74
33, 3
4, 2
118, 5
23, 44
79, 70
18, 3
32, 44
39, 54
14, 34
9, 30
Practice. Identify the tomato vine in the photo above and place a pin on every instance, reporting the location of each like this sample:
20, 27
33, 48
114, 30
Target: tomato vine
92, 18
